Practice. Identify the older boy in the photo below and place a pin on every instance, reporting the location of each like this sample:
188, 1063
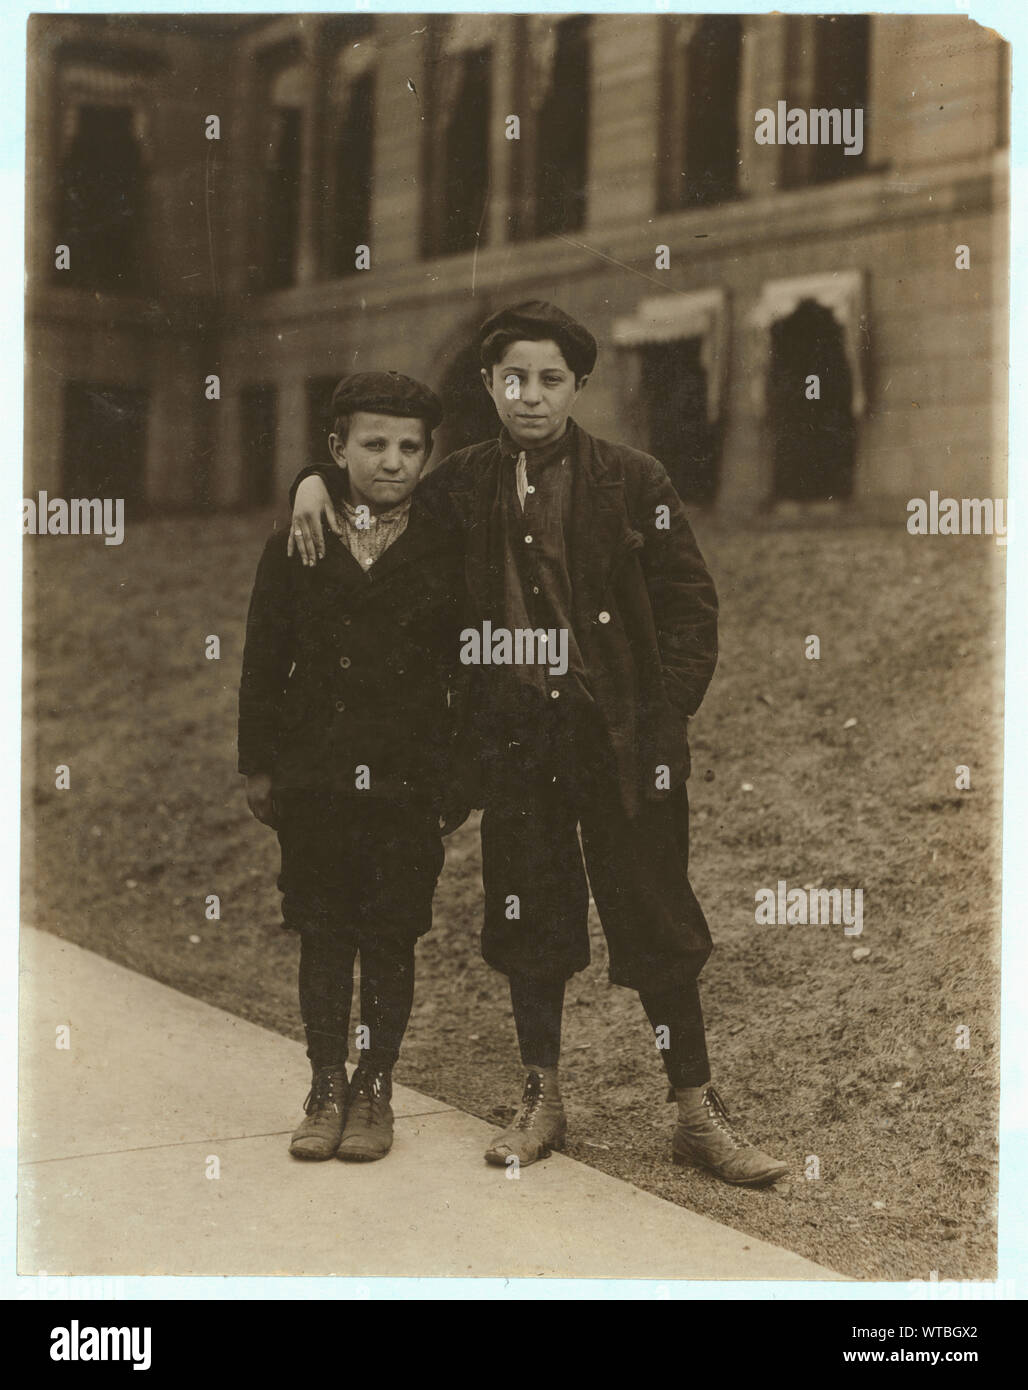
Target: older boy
344, 739
568, 532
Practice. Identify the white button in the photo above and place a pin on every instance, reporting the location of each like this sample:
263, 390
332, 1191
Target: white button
554, 694
604, 617
366, 561
528, 540
535, 588
530, 488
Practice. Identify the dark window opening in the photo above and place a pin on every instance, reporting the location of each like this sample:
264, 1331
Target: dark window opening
699, 156
842, 51
103, 203
353, 166
712, 112
319, 417
282, 197
104, 452
813, 441
469, 414
680, 434
562, 133
456, 217
258, 433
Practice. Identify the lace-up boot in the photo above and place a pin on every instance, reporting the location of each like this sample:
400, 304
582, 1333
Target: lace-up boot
705, 1138
319, 1134
369, 1119
539, 1126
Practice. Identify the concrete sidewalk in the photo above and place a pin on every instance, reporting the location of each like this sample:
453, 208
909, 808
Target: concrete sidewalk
119, 1132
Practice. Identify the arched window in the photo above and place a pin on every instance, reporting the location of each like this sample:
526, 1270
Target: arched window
351, 158
700, 111
283, 174
681, 436
562, 132
104, 452
842, 51
674, 371
457, 140
102, 212
828, 73
813, 430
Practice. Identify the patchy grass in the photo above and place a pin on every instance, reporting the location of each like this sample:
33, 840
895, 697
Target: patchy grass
817, 1055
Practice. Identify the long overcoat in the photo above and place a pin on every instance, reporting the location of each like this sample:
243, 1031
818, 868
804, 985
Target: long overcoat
347, 672
644, 604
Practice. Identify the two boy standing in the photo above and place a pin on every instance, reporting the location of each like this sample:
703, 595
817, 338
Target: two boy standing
551, 529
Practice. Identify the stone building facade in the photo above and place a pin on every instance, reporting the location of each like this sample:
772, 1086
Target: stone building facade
718, 273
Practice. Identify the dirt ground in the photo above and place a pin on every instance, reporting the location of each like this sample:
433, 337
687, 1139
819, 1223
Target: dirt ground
817, 1055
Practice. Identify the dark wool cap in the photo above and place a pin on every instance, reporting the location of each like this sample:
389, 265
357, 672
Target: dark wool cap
387, 393
537, 319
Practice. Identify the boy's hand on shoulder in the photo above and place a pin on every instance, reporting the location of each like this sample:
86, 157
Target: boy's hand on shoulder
306, 536
259, 799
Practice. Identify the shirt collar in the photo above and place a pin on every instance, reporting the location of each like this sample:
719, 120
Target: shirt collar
390, 514
544, 453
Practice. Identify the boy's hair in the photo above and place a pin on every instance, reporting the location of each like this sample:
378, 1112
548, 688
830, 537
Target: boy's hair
535, 321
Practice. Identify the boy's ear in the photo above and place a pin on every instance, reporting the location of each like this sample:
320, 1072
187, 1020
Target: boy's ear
487, 380
582, 380
337, 449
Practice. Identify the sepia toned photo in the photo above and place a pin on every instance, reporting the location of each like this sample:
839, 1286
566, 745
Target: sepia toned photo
515, 522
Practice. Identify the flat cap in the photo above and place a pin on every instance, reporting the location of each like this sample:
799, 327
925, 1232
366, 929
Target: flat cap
387, 393
536, 319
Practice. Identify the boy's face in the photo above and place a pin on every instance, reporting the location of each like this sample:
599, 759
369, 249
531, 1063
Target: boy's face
384, 457
533, 389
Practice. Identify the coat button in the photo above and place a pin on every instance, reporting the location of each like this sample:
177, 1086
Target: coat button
604, 617
346, 620
554, 694
340, 706
344, 662
528, 540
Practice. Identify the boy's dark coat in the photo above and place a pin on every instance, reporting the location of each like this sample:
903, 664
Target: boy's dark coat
650, 661
373, 655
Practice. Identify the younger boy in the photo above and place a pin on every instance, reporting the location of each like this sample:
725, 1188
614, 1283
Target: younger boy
343, 740
568, 532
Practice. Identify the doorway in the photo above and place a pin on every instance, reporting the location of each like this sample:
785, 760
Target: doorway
813, 440
679, 432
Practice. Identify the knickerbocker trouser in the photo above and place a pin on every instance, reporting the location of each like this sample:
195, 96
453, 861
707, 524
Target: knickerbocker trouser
357, 877
542, 786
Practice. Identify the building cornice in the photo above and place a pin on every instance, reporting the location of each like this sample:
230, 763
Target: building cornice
695, 237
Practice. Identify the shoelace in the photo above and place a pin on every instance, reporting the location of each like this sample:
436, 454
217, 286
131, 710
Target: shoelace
367, 1096
323, 1092
716, 1110
531, 1100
